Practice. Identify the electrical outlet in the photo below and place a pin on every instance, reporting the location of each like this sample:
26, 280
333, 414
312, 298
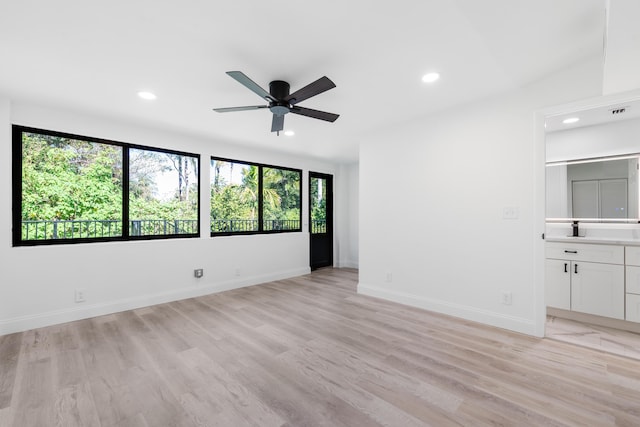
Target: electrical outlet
505, 298
237, 272
198, 273
389, 277
80, 295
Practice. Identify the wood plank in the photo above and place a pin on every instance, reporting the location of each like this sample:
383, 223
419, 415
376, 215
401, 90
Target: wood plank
9, 352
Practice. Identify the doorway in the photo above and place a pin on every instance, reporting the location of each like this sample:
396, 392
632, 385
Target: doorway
564, 193
321, 220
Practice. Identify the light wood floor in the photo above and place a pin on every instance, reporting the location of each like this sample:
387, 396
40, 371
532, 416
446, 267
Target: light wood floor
598, 337
305, 352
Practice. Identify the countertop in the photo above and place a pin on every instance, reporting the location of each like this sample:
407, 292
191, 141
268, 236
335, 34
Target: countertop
595, 240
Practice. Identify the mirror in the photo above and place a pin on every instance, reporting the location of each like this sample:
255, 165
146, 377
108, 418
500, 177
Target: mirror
592, 159
604, 189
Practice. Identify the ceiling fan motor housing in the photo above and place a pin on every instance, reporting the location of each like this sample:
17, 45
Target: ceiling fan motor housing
279, 90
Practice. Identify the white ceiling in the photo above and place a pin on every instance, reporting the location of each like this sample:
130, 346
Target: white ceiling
95, 56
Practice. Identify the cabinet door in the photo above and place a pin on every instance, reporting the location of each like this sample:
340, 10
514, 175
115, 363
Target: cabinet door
557, 291
598, 289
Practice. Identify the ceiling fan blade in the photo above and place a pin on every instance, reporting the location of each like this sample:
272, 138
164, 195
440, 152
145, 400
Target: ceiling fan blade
322, 115
250, 84
231, 109
277, 124
323, 84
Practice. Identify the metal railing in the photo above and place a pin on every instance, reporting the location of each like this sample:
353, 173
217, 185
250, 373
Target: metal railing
162, 227
88, 228
280, 224
248, 225
318, 226
70, 229
233, 225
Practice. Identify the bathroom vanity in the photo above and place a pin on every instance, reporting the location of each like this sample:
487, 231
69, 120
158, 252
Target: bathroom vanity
592, 203
595, 276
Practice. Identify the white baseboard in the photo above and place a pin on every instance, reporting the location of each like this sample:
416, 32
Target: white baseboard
24, 323
517, 324
347, 264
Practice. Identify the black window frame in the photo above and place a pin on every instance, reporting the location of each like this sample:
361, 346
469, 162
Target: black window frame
260, 229
17, 132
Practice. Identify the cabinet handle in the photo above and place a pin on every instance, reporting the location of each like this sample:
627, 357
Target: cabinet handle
575, 268
565, 267
570, 252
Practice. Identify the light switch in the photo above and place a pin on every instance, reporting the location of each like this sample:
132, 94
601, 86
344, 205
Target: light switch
510, 212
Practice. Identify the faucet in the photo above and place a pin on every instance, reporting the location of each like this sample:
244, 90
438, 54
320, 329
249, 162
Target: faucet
574, 226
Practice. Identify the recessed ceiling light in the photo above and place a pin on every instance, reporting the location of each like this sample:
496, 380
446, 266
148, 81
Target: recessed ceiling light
571, 120
289, 133
430, 77
147, 95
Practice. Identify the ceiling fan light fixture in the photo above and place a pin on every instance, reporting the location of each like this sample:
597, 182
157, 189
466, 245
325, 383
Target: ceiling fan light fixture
289, 133
430, 77
147, 95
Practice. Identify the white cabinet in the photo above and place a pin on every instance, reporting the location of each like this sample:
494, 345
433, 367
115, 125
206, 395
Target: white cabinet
557, 290
588, 278
609, 254
598, 289
632, 255
632, 274
633, 308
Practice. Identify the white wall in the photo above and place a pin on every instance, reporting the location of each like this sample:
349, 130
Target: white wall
557, 196
622, 58
348, 198
37, 283
432, 194
5, 201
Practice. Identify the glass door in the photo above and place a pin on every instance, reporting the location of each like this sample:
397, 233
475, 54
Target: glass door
321, 219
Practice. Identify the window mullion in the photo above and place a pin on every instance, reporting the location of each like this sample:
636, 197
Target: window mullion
125, 192
260, 201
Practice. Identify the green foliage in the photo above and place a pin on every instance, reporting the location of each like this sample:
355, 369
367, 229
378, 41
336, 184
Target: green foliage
65, 179
72, 180
234, 201
239, 201
318, 199
281, 193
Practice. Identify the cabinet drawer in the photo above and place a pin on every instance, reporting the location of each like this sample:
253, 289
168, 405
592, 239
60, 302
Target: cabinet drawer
632, 255
633, 279
609, 254
633, 308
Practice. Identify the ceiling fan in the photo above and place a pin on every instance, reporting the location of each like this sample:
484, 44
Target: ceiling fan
281, 101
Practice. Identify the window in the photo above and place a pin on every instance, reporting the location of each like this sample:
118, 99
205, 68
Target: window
252, 198
281, 198
70, 188
234, 197
318, 205
163, 193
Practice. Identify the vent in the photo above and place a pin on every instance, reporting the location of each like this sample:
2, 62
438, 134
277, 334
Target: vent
618, 110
